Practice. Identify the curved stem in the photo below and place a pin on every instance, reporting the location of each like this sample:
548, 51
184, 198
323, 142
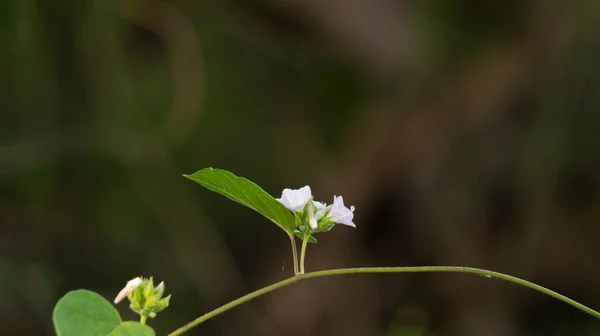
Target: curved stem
303, 252
143, 319
294, 253
363, 270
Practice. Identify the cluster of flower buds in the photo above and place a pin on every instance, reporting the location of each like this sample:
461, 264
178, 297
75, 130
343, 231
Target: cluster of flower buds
312, 216
144, 298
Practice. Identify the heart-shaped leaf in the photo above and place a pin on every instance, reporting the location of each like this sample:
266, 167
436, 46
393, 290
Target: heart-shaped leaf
84, 313
246, 193
132, 328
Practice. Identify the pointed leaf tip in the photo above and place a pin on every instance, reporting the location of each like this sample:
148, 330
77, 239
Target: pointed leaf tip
246, 193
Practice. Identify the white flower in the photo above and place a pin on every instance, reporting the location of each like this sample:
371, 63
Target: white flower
131, 285
295, 199
339, 214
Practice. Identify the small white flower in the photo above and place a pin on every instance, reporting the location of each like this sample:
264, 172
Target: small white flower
295, 199
340, 214
131, 285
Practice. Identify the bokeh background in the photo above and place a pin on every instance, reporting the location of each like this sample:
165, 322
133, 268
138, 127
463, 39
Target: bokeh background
465, 133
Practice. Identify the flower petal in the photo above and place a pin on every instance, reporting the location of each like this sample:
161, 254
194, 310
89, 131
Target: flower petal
295, 199
322, 212
319, 205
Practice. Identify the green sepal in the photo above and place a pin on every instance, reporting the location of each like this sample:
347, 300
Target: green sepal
150, 302
135, 307
149, 288
135, 298
325, 224
162, 304
298, 222
159, 290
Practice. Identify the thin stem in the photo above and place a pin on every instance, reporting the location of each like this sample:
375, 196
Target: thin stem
303, 252
294, 253
143, 319
362, 270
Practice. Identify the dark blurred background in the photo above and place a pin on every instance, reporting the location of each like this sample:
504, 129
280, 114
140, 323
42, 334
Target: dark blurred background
465, 133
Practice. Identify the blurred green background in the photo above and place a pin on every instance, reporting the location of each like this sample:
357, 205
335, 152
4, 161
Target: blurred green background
465, 133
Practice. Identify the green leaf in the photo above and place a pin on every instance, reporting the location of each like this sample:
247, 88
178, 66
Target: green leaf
300, 236
132, 328
84, 313
246, 193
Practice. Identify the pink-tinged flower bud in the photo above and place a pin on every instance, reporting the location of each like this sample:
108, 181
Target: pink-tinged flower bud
131, 285
311, 217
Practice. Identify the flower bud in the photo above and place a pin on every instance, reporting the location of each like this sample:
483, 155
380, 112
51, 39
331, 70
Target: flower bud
312, 221
129, 287
144, 298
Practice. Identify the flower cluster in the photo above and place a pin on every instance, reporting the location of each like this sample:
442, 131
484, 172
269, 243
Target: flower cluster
145, 299
319, 216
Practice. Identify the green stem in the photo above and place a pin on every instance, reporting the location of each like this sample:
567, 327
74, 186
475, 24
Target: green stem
143, 319
303, 252
363, 270
294, 253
